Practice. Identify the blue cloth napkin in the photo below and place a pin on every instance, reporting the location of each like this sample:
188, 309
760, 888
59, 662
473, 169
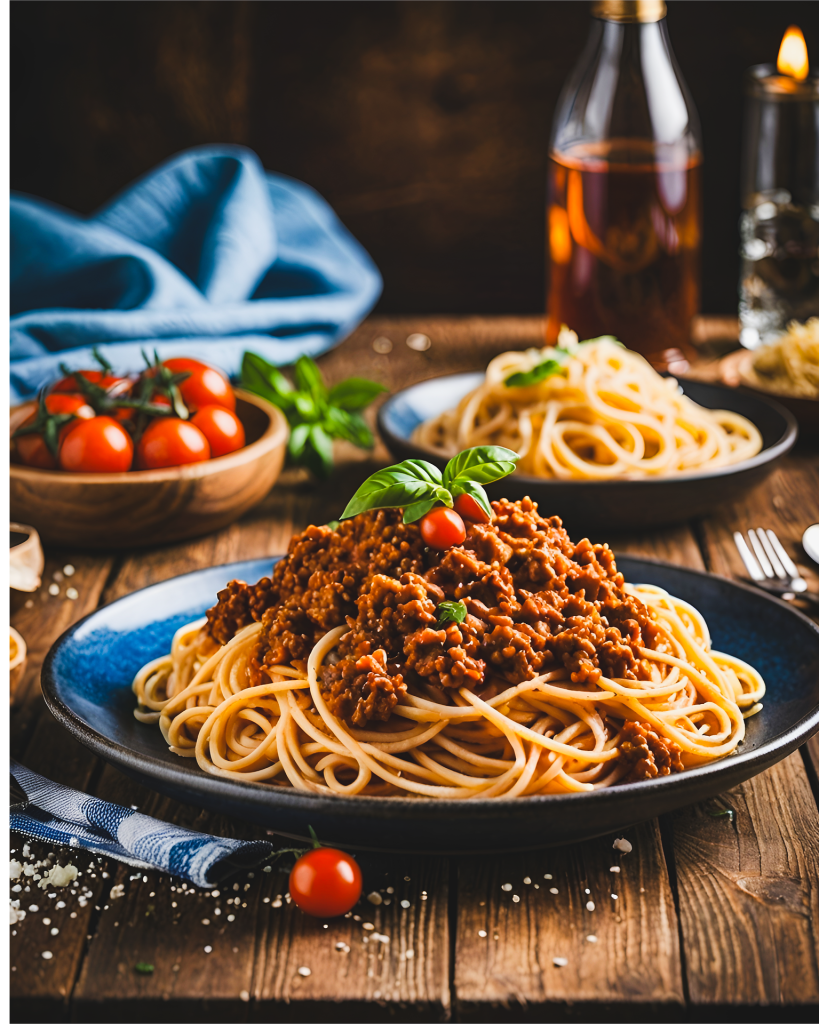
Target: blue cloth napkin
205, 256
61, 815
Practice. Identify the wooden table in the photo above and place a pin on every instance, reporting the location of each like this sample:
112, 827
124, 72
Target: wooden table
713, 919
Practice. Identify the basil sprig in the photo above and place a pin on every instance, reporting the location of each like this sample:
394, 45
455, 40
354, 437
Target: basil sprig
418, 486
315, 413
451, 611
551, 366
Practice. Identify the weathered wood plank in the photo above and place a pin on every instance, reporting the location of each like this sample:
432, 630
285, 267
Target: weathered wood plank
550, 957
389, 961
749, 899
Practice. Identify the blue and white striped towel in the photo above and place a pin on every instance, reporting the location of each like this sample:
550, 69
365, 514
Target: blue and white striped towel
58, 814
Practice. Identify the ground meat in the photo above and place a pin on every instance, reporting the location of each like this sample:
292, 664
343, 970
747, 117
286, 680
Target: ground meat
535, 601
649, 753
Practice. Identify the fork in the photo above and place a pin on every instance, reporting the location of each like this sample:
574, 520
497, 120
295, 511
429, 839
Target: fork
770, 566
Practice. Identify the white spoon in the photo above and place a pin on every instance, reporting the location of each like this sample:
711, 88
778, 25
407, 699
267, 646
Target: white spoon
810, 541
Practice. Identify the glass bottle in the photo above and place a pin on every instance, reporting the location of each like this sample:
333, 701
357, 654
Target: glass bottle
624, 203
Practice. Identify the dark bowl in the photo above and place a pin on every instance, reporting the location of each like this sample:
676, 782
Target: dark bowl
87, 686
608, 505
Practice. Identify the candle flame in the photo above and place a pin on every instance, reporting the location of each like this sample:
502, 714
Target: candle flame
793, 55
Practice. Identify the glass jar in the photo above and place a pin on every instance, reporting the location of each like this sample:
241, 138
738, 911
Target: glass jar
624, 200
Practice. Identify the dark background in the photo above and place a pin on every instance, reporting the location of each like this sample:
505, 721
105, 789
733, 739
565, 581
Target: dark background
425, 124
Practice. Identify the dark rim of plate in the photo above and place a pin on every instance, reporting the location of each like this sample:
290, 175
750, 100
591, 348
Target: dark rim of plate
375, 806
782, 445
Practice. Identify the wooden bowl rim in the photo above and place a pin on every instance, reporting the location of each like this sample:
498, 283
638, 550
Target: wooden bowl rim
273, 437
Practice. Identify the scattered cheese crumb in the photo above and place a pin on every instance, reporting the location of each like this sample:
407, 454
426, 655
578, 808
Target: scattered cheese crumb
482, 933
410, 954
16, 914
405, 904
55, 931
527, 880
59, 875
506, 887
591, 938
208, 949
554, 891
375, 898
623, 845
54, 590
72, 593
342, 947
305, 972
614, 895
560, 961
516, 899
615, 869
46, 920
69, 570
590, 905
367, 926
231, 917
548, 877
15, 869
380, 938
47, 955
117, 892
244, 995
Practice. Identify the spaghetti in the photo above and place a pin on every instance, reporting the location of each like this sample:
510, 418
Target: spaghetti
588, 704
591, 411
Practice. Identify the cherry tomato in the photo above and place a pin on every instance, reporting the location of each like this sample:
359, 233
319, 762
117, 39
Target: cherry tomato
171, 442
99, 445
222, 428
205, 386
443, 528
325, 882
468, 508
32, 449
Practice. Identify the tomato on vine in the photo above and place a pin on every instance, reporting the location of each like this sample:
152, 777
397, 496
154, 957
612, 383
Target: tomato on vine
40, 435
222, 428
171, 442
97, 445
204, 386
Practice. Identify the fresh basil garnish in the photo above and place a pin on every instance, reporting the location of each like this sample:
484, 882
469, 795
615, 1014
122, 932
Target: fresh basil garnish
418, 486
548, 368
316, 415
553, 365
451, 611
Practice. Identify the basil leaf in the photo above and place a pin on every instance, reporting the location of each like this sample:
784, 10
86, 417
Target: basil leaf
548, 368
354, 393
318, 453
298, 439
348, 425
305, 406
418, 509
264, 379
308, 378
397, 487
462, 486
481, 464
451, 611
333, 524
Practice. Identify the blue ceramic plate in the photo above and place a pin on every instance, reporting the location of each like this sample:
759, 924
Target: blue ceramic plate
87, 685
602, 507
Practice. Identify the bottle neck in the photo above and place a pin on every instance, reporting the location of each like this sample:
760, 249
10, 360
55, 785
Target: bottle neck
626, 86
629, 10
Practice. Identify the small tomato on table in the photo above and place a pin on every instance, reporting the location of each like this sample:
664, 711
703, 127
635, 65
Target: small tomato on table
325, 882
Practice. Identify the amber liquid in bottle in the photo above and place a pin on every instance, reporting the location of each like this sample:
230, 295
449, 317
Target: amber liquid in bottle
624, 245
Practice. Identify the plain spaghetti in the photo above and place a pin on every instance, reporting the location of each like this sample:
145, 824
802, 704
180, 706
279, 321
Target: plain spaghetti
516, 663
592, 410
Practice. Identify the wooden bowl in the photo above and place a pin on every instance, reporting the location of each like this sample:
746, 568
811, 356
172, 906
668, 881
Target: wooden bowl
152, 506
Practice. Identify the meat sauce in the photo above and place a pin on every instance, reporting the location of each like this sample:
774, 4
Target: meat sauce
534, 602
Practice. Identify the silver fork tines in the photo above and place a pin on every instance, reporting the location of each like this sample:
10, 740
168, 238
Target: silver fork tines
769, 564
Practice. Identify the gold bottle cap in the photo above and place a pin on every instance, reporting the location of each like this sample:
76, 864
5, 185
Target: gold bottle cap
629, 10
